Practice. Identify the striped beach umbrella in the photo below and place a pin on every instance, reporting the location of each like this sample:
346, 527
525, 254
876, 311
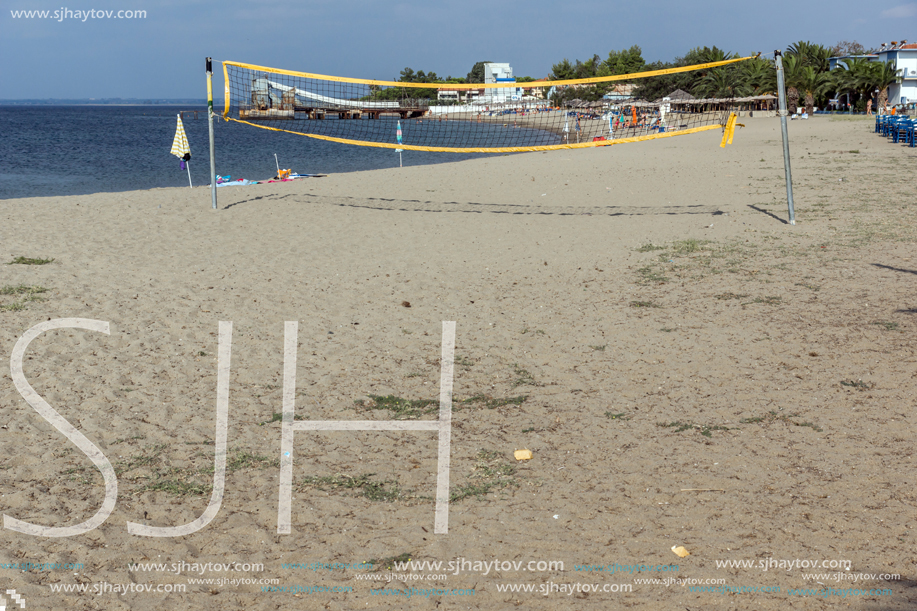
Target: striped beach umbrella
181, 149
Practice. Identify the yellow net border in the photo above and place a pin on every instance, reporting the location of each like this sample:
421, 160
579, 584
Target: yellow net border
581, 81
502, 149
728, 128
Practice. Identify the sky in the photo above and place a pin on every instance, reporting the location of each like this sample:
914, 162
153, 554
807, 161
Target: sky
162, 54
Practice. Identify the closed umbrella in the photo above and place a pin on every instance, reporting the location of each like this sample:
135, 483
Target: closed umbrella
181, 149
398, 136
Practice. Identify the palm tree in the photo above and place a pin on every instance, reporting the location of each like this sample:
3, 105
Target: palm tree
858, 76
792, 75
759, 76
883, 75
723, 82
813, 83
811, 54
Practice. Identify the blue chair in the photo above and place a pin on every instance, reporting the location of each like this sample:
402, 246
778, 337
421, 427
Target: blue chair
884, 126
900, 129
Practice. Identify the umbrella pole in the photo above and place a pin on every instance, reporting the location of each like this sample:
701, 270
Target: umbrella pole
213, 171
188, 165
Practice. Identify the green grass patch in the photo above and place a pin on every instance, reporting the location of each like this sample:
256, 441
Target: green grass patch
681, 248
29, 261
400, 407
650, 275
888, 326
857, 384
278, 417
27, 293
22, 289
389, 563
617, 416
643, 304
765, 301
243, 459
492, 403
523, 377
385, 491
599, 348
148, 470
492, 471
649, 248
774, 416
728, 296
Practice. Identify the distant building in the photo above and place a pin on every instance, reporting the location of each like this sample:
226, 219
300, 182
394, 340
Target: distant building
453, 95
904, 57
500, 73
620, 91
532, 90
459, 95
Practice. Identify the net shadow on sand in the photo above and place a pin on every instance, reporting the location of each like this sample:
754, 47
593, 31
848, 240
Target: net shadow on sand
414, 205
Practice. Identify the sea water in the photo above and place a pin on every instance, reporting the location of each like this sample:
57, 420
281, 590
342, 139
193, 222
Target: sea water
75, 150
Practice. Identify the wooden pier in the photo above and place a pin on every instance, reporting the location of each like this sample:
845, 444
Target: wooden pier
319, 113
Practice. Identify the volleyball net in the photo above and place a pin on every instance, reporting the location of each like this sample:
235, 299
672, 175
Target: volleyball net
500, 116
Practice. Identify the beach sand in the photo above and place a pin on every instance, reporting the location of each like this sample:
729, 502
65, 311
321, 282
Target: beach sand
687, 369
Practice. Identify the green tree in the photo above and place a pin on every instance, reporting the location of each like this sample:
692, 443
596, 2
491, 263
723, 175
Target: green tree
759, 75
656, 87
562, 71
883, 75
625, 61
722, 82
846, 48
792, 77
477, 73
856, 78
811, 54
812, 82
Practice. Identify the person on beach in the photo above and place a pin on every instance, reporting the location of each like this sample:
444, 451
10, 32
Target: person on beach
868, 108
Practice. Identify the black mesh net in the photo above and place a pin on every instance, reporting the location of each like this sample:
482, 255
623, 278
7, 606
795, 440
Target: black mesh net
456, 117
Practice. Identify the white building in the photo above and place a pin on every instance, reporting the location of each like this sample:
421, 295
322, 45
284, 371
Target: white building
500, 73
904, 58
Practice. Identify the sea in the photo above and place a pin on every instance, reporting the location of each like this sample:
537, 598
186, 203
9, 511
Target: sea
78, 150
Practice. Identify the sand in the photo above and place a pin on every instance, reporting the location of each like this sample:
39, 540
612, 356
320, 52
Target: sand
687, 370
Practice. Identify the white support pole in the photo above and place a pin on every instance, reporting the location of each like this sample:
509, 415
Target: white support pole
781, 106
188, 165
